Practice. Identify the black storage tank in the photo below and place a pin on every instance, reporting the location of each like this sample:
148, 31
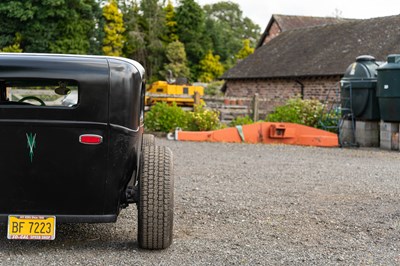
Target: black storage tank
389, 89
360, 81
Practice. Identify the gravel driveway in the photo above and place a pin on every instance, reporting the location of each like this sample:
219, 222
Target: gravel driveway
240, 204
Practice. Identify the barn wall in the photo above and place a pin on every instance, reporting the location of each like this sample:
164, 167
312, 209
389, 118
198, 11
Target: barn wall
272, 33
276, 92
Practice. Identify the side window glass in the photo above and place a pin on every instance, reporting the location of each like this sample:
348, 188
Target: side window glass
39, 92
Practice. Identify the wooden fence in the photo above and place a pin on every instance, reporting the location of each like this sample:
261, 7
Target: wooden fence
228, 107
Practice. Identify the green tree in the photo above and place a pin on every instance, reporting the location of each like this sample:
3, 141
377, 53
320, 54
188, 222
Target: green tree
210, 67
96, 33
229, 13
170, 24
191, 31
245, 51
15, 47
49, 26
226, 28
145, 28
75, 32
134, 46
152, 24
177, 61
113, 41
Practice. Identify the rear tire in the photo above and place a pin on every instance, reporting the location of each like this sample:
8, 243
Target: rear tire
148, 140
156, 198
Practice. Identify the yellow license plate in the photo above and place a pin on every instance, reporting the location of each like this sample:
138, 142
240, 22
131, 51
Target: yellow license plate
31, 227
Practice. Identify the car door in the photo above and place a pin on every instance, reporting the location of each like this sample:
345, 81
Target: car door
53, 157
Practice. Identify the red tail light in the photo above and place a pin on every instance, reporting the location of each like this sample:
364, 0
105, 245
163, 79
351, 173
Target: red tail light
90, 139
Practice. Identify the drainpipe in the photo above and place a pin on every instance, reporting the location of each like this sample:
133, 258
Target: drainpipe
301, 88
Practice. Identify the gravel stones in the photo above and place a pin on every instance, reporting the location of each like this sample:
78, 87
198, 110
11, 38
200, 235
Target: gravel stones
242, 204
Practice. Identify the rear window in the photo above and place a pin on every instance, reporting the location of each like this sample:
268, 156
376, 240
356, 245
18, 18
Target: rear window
39, 92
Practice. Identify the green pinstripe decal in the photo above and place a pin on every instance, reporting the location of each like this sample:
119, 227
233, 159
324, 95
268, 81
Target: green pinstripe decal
31, 144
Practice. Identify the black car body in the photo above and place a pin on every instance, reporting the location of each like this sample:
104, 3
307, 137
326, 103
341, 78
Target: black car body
77, 158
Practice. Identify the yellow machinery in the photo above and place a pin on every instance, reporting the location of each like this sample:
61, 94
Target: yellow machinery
181, 94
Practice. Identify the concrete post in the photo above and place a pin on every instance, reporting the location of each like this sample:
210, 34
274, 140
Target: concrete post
389, 135
346, 133
367, 133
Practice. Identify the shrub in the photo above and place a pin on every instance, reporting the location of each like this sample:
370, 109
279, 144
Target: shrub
241, 120
330, 120
165, 118
214, 88
296, 110
202, 119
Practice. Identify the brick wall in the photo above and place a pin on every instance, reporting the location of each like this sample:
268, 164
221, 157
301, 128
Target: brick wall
273, 32
276, 92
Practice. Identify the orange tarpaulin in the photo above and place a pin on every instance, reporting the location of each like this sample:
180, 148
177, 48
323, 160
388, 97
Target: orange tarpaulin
265, 132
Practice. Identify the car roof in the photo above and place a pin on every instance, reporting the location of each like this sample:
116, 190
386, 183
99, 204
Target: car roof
136, 64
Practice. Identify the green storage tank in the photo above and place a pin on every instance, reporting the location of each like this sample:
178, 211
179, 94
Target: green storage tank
359, 82
388, 91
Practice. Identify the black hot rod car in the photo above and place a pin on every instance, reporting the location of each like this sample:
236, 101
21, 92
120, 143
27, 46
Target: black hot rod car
72, 148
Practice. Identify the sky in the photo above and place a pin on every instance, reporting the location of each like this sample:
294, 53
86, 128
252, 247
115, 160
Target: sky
260, 11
